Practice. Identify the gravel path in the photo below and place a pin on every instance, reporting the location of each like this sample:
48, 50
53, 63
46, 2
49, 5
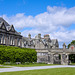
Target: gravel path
32, 68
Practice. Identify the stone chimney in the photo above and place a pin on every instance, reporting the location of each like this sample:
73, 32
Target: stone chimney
39, 36
29, 36
46, 36
19, 32
64, 46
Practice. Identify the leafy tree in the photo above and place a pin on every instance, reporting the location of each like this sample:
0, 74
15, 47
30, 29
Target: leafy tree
73, 42
72, 56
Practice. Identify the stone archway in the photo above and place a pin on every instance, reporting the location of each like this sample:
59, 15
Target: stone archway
57, 59
64, 59
71, 58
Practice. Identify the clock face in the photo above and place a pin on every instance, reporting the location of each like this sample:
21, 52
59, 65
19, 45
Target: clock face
72, 48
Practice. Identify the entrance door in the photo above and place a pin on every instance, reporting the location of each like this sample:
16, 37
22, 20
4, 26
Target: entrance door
57, 59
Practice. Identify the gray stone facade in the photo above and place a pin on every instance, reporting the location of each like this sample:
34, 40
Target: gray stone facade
43, 46
47, 49
8, 35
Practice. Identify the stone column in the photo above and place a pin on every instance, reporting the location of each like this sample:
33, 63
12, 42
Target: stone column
64, 59
9, 39
6, 42
67, 59
13, 41
16, 41
20, 42
2, 39
50, 58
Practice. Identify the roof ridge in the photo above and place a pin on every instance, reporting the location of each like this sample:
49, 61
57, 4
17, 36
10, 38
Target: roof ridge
5, 22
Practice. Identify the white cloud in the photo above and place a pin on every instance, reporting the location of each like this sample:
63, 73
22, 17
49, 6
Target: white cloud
62, 36
54, 21
33, 32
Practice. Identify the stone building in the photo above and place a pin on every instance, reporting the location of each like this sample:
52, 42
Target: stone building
43, 45
47, 49
40, 43
8, 35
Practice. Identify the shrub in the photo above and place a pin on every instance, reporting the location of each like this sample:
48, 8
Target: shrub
16, 54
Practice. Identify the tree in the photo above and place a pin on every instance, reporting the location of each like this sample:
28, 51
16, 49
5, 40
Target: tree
72, 56
73, 42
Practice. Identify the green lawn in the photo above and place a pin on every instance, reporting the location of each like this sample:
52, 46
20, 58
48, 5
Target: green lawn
4, 67
56, 71
31, 64
72, 64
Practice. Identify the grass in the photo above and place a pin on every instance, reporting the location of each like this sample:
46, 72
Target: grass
72, 64
55, 71
4, 67
30, 64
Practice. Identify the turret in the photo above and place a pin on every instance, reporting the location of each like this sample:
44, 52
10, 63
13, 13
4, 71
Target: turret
64, 46
29, 36
39, 36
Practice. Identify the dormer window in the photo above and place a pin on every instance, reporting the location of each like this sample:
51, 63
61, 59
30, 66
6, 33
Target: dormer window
3, 25
12, 28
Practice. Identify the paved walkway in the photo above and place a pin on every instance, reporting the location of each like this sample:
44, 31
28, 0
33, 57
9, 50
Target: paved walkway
32, 68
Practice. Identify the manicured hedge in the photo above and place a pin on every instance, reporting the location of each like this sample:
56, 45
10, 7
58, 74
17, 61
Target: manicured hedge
16, 54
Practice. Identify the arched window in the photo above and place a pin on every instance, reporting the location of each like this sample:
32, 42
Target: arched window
3, 39
18, 42
12, 40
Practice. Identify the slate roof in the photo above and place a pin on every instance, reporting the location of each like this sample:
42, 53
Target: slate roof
8, 27
6, 24
54, 41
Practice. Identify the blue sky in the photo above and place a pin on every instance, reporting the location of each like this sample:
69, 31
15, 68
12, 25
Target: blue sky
54, 17
31, 7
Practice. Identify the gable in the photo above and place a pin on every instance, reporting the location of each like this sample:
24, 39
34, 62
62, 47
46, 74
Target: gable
12, 28
3, 26
2, 20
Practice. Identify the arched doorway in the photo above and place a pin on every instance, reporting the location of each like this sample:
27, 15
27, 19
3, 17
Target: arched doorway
57, 59
71, 58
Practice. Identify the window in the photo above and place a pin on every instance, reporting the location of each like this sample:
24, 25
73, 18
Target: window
3, 39
18, 42
42, 54
12, 40
0, 39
